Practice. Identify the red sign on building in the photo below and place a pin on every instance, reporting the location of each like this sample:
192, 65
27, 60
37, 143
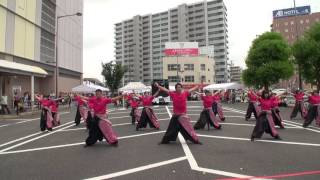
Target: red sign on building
185, 51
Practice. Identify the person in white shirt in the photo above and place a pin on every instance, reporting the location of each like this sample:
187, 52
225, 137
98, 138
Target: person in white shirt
4, 104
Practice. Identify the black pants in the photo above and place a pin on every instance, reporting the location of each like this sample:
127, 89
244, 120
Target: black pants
262, 125
78, 117
173, 129
95, 133
251, 110
297, 108
89, 120
16, 106
43, 120
312, 114
276, 117
144, 120
133, 118
3, 108
205, 119
215, 108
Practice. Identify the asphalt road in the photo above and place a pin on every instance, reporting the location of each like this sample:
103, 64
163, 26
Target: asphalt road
26, 153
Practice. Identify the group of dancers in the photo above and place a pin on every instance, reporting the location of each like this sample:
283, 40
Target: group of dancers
49, 116
93, 111
265, 107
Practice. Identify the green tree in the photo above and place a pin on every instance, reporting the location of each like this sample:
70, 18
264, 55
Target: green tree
112, 73
306, 52
267, 61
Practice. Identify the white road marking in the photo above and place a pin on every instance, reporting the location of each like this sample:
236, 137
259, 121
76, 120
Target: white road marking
5, 125
33, 139
74, 144
260, 140
119, 117
287, 122
25, 137
138, 169
193, 163
121, 124
300, 124
26, 120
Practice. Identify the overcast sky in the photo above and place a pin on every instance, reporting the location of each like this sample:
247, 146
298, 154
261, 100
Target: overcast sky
246, 19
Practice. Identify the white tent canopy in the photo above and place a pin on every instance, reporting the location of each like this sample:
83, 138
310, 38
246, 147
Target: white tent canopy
88, 88
221, 86
136, 87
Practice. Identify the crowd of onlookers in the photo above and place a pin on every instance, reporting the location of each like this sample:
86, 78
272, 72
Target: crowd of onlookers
23, 103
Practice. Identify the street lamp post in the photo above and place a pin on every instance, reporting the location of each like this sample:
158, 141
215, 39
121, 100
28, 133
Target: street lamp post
297, 37
57, 33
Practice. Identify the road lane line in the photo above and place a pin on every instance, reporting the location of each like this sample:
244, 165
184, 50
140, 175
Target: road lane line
74, 144
261, 140
138, 169
33, 139
25, 137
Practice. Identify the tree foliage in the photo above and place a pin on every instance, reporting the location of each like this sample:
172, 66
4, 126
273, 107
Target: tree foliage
112, 73
306, 52
267, 61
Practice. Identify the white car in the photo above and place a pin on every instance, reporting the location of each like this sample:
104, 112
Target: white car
161, 100
279, 91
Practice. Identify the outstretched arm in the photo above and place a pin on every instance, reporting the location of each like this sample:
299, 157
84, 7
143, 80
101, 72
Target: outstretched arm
193, 89
58, 99
156, 94
37, 97
162, 88
199, 94
83, 97
216, 93
117, 98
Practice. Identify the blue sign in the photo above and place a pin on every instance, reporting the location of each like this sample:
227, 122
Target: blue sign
292, 12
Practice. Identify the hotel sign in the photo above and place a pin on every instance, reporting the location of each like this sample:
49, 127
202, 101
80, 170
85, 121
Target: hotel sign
292, 12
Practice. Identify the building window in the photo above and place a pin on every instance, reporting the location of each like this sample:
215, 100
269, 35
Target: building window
173, 67
292, 22
189, 67
286, 30
202, 67
286, 23
307, 21
301, 21
189, 79
203, 78
173, 78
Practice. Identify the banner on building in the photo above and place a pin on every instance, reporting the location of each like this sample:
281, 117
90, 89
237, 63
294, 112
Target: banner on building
181, 48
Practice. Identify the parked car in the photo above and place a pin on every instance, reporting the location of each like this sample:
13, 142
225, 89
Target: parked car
279, 91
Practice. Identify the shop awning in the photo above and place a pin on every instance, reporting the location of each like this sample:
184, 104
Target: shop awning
19, 68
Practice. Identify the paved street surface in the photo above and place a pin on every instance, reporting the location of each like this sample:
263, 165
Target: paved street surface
26, 153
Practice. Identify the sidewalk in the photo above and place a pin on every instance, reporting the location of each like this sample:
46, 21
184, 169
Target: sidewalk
35, 111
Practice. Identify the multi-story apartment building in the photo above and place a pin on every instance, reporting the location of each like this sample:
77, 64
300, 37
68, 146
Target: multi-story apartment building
235, 73
140, 41
28, 46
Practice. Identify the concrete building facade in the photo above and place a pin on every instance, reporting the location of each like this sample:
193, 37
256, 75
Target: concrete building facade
235, 73
140, 41
188, 69
28, 42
